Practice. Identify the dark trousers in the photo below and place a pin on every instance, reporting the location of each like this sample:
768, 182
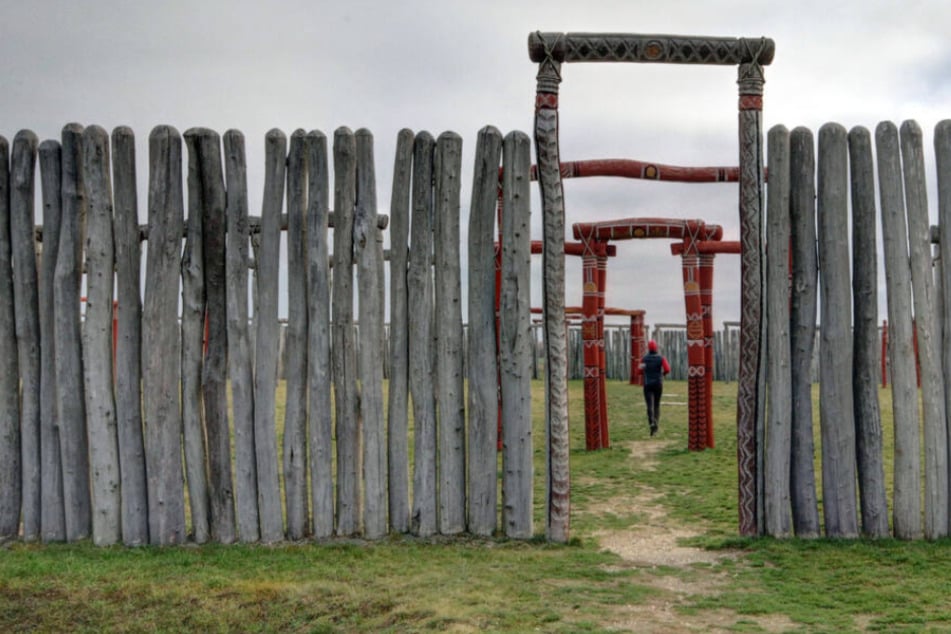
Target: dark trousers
652, 395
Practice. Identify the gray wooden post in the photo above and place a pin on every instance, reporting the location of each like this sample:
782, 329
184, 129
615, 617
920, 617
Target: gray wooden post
52, 519
448, 320
929, 341
515, 339
10, 473
26, 302
70, 404
214, 369
835, 387
398, 396
319, 378
240, 364
344, 353
193, 338
295, 413
266, 340
134, 493
161, 348
368, 254
802, 330
483, 369
420, 292
779, 424
866, 361
906, 508
942, 146
97, 341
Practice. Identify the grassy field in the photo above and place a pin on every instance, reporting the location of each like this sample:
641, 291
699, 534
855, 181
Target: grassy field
404, 584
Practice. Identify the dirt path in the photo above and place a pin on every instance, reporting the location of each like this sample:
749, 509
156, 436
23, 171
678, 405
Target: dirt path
654, 545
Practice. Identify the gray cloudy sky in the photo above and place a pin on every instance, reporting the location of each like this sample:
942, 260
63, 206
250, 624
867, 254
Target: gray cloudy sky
453, 65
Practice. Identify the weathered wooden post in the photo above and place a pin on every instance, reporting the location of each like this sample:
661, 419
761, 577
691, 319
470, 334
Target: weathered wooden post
398, 395
865, 361
368, 254
835, 387
942, 146
515, 350
161, 349
906, 510
779, 424
420, 285
214, 375
751, 389
52, 519
295, 414
319, 378
26, 301
553, 293
193, 341
483, 365
10, 473
449, 346
802, 329
240, 364
128, 353
344, 341
70, 404
97, 341
266, 339
929, 340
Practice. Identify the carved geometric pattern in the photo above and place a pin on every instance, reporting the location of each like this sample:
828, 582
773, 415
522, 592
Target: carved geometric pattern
609, 47
751, 280
553, 265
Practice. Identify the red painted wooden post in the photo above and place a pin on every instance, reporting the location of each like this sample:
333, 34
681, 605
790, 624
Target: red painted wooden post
592, 358
696, 388
602, 264
706, 303
638, 347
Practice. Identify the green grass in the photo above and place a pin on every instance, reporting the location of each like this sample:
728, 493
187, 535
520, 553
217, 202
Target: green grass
404, 584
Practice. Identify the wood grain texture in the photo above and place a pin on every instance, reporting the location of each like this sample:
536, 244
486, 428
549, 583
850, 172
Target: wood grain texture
134, 488
161, 348
482, 366
52, 518
70, 404
240, 362
398, 370
926, 325
866, 346
97, 341
515, 347
450, 402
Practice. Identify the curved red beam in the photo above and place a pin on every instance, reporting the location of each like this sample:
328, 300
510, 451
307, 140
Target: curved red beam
642, 228
629, 168
707, 246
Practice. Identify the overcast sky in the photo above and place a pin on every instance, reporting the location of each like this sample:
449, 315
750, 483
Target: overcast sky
451, 65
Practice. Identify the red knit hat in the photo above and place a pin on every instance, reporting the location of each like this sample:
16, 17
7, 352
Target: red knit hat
652, 345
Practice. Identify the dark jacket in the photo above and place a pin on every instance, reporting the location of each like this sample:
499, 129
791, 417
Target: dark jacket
655, 367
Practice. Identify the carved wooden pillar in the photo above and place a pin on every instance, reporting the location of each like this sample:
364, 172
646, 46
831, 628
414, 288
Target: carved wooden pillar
696, 385
602, 264
638, 348
592, 353
750, 380
553, 286
706, 303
